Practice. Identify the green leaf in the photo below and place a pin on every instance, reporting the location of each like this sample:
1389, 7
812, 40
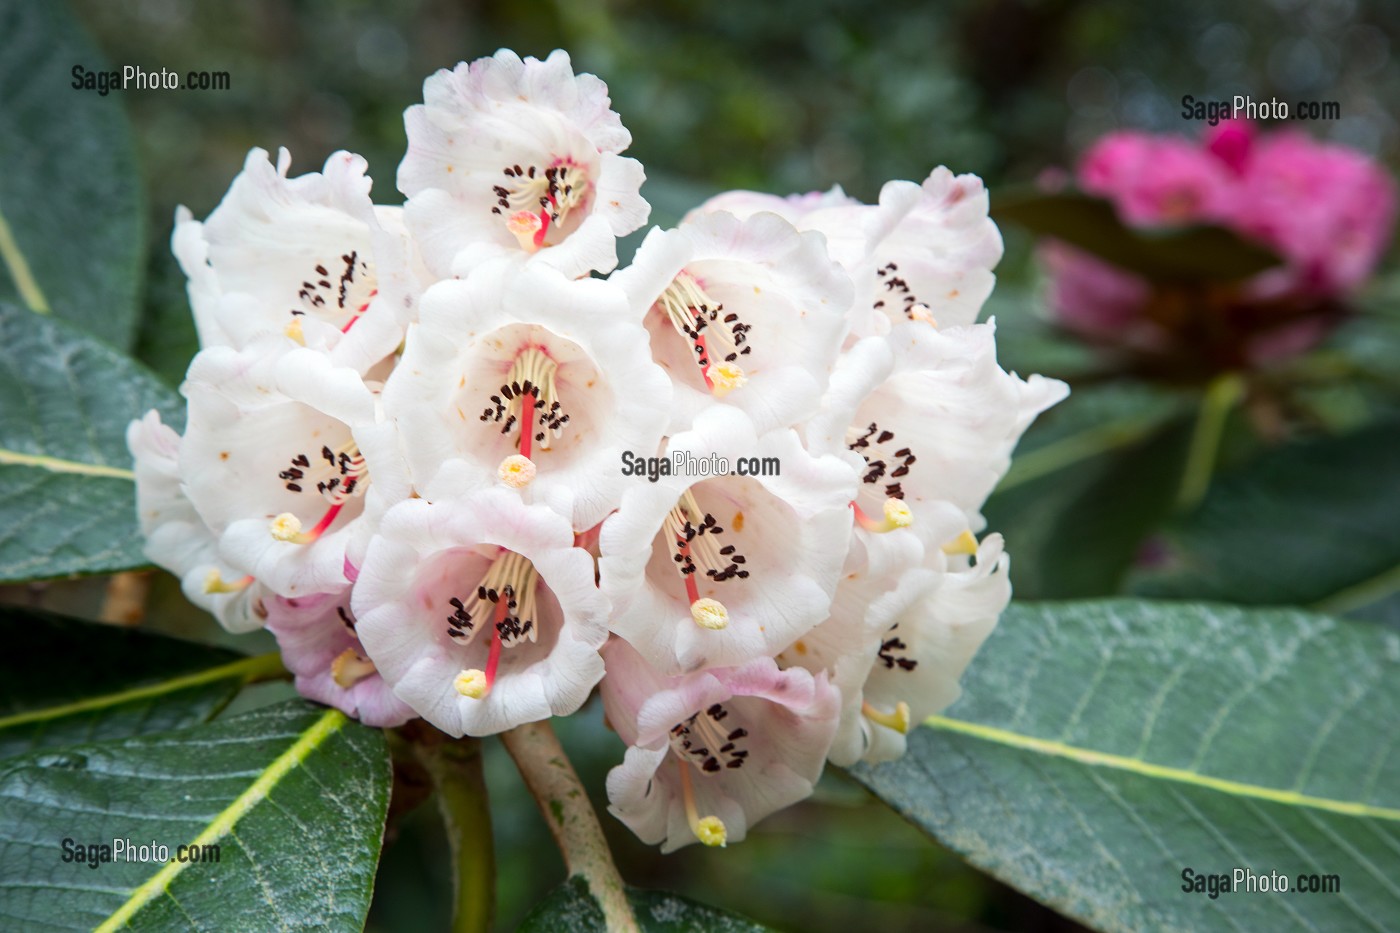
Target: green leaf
72, 230
1088, 483
571, 909
1309, 524
84, 682
1100, 749
67, 500
1092, 224
294, 796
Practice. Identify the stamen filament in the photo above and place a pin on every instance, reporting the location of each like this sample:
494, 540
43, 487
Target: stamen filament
715, 343
696, 535
527, 424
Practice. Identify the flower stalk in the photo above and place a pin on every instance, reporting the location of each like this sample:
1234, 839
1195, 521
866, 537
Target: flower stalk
1221, 396
564, 805
455, 770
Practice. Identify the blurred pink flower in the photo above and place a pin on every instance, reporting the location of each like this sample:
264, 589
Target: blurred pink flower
1159, 180
1326, 210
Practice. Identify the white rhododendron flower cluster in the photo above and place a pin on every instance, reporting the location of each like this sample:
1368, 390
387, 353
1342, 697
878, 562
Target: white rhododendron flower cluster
450, 458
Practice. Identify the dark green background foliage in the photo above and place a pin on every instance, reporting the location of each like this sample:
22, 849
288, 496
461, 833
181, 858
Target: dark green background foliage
782, 96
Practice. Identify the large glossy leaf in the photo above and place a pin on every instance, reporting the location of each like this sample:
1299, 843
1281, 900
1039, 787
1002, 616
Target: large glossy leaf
571, 909
1101, 749
84, 682
1312, 524
72, 231
293, 796
66, 495
1092, 224
1088, 483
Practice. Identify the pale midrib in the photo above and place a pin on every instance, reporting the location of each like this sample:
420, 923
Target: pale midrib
25, 284
247, 669
57, 465
1160, 772
329, 723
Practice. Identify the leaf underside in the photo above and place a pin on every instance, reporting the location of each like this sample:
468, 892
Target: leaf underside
1101, 748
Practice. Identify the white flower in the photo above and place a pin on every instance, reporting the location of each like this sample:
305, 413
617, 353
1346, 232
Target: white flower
308, 257
316, 635
846, 644
480, 612
933, 420
714, 752
519, 156
287, 461
707, 572
938, 618
178, 539
923, 253
518, 363
748, 311
792, 208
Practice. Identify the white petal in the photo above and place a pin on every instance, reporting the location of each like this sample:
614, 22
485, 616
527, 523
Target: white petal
460, 356
792, 531
778, 283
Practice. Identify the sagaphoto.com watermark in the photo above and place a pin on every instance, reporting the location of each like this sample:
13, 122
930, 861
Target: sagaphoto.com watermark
1248, 881
93, 854
1244, 107
136, 78
685, 463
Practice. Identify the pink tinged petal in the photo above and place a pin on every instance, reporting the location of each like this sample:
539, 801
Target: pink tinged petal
480, 123
318, 642
747, 742
414, 606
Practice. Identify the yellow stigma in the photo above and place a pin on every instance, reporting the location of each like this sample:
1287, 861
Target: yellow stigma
349, 668
898, 720
964, 543
293, 330
524, 225
725, 378
215, 583
471, 684
286, 527
709, 613
898, 514
516, 471
710, 831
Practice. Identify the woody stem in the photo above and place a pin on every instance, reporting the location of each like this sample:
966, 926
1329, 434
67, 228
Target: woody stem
564, 804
